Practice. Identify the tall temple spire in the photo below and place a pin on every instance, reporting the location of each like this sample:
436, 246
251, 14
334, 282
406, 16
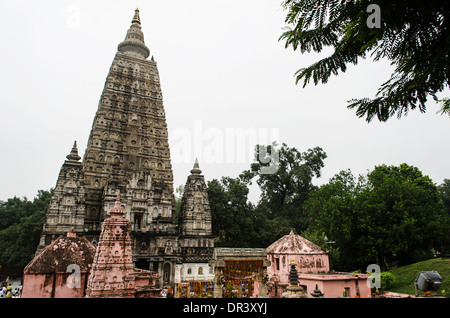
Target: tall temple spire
127, 150
134, 44
131, 121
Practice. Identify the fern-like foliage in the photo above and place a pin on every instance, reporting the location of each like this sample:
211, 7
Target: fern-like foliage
414, 35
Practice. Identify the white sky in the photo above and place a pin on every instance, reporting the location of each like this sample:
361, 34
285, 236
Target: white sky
222, 70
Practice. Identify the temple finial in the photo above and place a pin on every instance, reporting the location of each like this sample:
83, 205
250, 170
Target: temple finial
72, 233
134, 44
196, 169
118, 204
136, 18
117, 211
73, 155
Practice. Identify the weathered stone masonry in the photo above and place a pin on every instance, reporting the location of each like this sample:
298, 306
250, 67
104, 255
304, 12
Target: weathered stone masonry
127, 151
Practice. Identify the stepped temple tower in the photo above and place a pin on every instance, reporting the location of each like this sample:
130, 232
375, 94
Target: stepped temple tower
127, 151
113, 254
113, 274
67, 207
196, 239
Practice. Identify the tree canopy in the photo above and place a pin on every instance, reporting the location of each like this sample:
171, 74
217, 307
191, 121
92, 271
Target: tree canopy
414, 35
444, 190
284, 190
231, 212
21, 223
393, 215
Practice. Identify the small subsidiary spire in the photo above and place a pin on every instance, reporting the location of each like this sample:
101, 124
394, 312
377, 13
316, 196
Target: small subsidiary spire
293, 274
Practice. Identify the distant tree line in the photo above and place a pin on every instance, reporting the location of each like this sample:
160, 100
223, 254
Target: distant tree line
21, 223
393, 215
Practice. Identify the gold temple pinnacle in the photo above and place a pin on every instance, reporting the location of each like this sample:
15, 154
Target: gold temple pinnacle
136, 19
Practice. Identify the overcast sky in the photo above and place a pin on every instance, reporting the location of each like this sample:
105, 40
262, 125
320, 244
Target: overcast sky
223, 74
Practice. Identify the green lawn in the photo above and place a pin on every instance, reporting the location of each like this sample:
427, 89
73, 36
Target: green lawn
406, 275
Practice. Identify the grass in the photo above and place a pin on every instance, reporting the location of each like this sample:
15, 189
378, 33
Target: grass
406, 275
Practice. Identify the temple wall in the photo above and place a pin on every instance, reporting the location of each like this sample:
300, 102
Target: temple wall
52, 286
306, 263
37, 286
333, 286
193, 272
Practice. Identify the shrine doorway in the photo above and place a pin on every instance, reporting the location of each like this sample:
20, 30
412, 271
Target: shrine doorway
195, 289
240, 278
240, 272
167, 273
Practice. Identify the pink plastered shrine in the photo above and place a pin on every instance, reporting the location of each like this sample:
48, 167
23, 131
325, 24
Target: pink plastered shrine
313, 267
